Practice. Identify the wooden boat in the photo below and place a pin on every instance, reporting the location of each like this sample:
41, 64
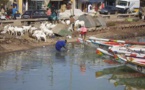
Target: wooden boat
119, 41
120, 58
136, 60
136, 64
129, 48
137, 48
86, 42
101, 52
127, 51
119, 49
136, 55
102, 39
106, 43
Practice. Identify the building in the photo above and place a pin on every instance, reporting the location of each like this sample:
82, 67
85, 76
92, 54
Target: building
24, 5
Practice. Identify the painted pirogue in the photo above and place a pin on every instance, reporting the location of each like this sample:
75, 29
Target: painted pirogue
119, 51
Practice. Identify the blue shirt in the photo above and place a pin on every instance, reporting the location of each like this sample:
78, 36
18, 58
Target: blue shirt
14, 10
59, 45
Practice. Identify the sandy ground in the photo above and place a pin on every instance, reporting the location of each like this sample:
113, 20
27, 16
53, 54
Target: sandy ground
9, 43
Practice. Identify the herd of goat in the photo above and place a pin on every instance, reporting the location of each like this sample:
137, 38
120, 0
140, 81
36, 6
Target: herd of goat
41, 33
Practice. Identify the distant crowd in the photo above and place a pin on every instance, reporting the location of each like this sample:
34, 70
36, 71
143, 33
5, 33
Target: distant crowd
12, 12
9, 12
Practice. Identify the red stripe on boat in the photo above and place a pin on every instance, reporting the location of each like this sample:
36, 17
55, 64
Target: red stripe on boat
133, 55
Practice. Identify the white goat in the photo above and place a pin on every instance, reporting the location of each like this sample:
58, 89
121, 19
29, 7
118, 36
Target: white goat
39, 35
70, 28
62, 21
47, 31
82, 23
6, 26
67, 22
32, 29
78, 22
26, 28
52, 26
5, 29
10, 30
48, 25
18, 30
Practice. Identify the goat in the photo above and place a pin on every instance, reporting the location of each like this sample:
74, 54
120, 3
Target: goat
48, 25
10, 30
70, 28
67, 22
18, 30
52, 26
39, 35
47, 31
32, 29
5, 29
26, 28
62, 21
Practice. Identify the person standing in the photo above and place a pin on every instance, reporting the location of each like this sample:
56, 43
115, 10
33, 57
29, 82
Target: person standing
60, 44
63, 8
48, 12
9, 12
14, 10
68, 6
83, 32
15, 4
72, 21
54, 17
53, 8
89, 7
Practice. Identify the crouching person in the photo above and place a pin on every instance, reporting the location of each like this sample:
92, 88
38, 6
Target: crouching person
61, 44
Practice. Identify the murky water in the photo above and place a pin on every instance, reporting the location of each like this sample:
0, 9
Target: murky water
79, 69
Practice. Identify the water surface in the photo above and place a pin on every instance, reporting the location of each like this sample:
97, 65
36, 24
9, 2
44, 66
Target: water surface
79, 69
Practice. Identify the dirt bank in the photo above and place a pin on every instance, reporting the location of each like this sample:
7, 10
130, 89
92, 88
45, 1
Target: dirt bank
9, 43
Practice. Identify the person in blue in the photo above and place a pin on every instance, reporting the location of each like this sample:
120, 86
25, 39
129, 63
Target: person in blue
14, 10
60, 44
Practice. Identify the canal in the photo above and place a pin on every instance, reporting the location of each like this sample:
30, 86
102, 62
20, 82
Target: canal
79, 69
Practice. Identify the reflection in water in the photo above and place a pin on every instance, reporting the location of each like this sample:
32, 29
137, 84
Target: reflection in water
123, 75
46, 69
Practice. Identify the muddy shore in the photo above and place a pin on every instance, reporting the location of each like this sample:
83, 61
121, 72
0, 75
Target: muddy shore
10, 44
